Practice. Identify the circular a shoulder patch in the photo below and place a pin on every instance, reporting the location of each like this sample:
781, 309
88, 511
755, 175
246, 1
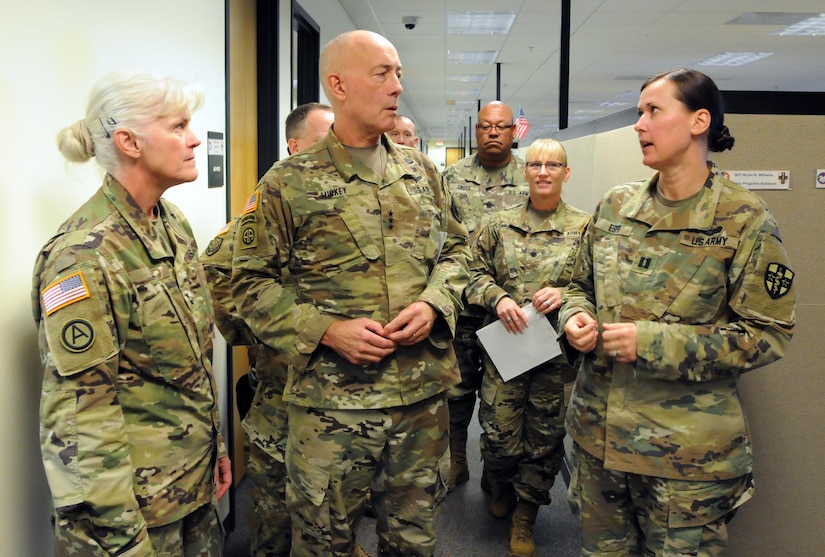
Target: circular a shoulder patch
214, 246
77, 335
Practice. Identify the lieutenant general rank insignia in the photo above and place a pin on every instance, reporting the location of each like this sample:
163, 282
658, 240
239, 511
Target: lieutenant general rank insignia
778, 280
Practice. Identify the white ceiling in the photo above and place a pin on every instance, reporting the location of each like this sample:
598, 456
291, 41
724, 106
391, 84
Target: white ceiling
614, 46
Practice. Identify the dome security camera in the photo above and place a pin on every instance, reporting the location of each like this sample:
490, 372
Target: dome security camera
409, 21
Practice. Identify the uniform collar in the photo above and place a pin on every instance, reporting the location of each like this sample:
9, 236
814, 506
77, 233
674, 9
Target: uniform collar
144, 227
698, 215
398, 165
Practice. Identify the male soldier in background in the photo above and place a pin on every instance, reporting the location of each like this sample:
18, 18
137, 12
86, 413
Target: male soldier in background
265, 423
378, 261
404, 132
481, 184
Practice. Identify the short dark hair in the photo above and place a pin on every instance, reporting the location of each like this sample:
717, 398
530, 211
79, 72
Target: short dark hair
696, 91
295, 120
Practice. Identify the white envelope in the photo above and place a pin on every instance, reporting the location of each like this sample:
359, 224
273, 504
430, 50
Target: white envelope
514, 354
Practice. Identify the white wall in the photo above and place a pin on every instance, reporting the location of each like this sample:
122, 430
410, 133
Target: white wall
51, 53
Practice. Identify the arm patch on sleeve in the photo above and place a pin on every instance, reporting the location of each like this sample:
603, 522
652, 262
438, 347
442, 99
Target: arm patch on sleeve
81, 334
778, 280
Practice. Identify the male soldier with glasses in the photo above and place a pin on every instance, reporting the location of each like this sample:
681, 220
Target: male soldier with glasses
482, 184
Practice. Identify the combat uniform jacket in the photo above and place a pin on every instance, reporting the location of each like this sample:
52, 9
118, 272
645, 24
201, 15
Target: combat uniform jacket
270, 366
217, 265
129, 424
355, 245
710, 288
262, 423
511, 258
479, 194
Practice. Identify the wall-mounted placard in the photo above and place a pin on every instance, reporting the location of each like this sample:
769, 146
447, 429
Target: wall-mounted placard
760, 179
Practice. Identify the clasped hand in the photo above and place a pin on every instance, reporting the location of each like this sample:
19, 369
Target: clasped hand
365, 341
515, 319
618, 339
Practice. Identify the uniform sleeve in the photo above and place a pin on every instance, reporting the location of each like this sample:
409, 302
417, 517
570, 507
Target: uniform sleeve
448, 278
217, 265
258, 286
482, 288
761, 304
580, 295
83, 437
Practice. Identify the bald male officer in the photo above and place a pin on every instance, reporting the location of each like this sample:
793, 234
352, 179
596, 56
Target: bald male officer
377, 260
487, 181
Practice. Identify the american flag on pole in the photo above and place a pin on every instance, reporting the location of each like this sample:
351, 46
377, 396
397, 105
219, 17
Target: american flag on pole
64, 292
522, 126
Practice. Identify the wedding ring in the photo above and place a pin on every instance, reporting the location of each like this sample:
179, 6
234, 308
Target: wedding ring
615, 353
546, 302
509, 319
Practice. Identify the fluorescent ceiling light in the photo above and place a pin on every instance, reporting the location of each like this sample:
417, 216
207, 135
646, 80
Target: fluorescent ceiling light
770, 18
463, 93
467, 78
798, 24
471, 56
479, 23
734, 58
810, 27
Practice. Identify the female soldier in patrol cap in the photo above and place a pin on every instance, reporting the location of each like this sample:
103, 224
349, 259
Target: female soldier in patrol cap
685, 284
129, 421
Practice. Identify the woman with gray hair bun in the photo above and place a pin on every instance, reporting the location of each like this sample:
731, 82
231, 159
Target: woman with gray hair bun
129, 424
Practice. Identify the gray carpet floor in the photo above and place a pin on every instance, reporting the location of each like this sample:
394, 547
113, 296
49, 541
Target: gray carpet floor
465, 528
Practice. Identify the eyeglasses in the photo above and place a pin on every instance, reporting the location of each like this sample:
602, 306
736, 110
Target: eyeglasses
535, 166
498, 127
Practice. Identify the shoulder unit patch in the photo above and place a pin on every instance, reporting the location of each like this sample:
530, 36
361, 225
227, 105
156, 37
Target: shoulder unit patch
778, 280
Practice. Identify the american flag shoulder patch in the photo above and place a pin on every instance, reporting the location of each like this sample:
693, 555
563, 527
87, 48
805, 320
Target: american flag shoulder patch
64, 292
226, 228
251, 204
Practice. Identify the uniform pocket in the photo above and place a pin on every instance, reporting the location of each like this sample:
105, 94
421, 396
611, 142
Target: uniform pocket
443, 478
59, 446
162, 328
692, 504
488, 389
308, 482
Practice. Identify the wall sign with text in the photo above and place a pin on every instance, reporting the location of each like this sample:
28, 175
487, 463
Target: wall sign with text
760, 179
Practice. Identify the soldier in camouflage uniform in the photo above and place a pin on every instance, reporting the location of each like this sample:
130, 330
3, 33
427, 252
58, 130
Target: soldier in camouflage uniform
525, 255
377, 262
129, 424
684, 285
265, 424
488, 181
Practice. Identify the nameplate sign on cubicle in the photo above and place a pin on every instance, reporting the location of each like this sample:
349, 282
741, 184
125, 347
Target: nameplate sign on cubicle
760, 179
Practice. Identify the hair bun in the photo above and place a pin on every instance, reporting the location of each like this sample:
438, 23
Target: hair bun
84, 136
724, 141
